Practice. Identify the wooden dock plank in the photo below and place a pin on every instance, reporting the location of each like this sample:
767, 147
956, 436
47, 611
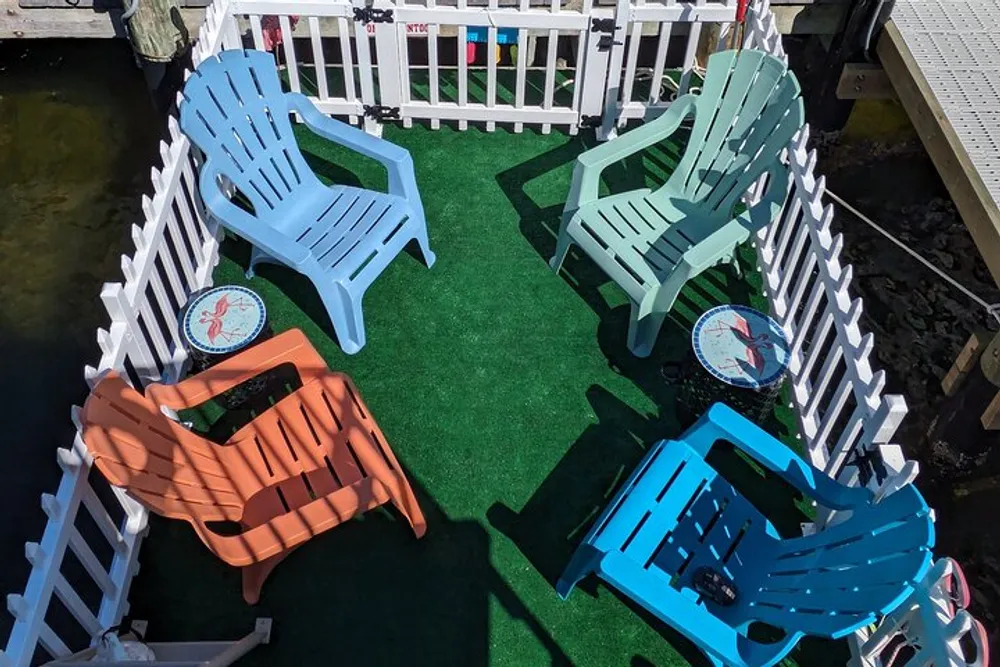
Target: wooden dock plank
100, 5
975, 204
38, 23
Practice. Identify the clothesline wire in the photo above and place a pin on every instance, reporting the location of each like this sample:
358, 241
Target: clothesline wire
992, 309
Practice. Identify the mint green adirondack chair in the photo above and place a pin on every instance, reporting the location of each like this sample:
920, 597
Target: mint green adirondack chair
652, 242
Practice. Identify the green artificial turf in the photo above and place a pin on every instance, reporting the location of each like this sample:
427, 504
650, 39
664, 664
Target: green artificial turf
509, 397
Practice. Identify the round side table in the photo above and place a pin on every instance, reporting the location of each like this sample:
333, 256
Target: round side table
744, 349
219, 323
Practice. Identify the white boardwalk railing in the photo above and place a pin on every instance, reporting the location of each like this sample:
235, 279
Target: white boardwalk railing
588, 75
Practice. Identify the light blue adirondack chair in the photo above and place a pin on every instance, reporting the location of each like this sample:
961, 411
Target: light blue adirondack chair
675, 515
340, 237
652, 242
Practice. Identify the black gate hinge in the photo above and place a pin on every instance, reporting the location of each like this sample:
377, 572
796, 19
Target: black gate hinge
608, 27
602, 25
381, 113
373, 15
591, 122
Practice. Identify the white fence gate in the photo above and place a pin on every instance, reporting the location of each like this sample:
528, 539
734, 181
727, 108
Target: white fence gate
589, 64
588, 76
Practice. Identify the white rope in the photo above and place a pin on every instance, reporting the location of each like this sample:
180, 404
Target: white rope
992, 309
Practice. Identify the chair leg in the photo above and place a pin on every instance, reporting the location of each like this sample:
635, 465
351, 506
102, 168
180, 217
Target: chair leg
425, 245
344, 309
562, 249
255, 575
406, 502
642, 333
584, 561
258, 256
715, 662
734, 261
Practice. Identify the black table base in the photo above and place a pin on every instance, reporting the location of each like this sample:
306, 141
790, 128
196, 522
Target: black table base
237, 396
698, 390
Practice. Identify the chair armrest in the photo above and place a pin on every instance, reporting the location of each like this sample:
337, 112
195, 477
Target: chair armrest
769, 207
707, 252
723, 423
396, 159
284, 532
291, 346
253, 230
590, 164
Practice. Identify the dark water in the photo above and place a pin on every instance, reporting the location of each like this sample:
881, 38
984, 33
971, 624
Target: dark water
78, 135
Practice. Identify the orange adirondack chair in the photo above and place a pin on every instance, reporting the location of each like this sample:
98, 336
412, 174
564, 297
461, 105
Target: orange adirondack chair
310, 462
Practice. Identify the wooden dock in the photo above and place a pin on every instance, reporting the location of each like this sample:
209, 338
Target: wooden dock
69, 20
943, 59
27, 19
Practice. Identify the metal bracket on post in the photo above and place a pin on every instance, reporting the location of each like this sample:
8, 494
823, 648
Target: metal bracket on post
380, 113
607, 26
602, 25
869, 464
372, 15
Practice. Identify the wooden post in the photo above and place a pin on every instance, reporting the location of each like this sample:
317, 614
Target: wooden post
965, 429
156, 29
965, 362
984, 386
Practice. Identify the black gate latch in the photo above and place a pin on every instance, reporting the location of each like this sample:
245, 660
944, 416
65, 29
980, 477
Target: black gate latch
608, 27
869, 464
381, 113
373, 15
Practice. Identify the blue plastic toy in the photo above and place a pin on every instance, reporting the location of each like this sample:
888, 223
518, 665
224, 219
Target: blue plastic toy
677, 528
480, 35
340, 237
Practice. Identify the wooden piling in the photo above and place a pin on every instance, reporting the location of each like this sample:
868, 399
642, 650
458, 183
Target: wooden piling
156, 29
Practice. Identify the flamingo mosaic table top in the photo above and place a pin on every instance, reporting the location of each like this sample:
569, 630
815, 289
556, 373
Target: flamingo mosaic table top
224, 319
741, 346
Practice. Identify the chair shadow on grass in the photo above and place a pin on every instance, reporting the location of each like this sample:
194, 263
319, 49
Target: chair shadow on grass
366, 592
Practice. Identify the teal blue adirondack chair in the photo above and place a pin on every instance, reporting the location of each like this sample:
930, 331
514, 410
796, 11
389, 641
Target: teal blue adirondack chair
652, 242
676, 515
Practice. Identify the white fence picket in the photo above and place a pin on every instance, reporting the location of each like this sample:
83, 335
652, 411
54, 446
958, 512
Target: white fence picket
257, 31
288, 48
433, 74
365, 75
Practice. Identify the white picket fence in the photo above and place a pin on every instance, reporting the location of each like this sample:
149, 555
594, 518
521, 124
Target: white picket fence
836, 393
